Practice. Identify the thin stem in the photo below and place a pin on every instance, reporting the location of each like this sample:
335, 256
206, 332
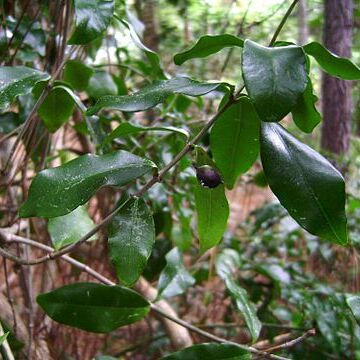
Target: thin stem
282, 22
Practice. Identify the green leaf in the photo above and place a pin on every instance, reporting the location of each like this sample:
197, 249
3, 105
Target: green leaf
208, 351
92, 19
174, 279
213, 212
94, 307
307, 185
58, 191
208, 45
67, 229
77, 74
127, 128
3, 337
234, 140
331, 63
275, 78
56, 109
9, 121
353, 302
100, 84
153, 95
131, 239
153, 57
226, 265
17, 80
304, 113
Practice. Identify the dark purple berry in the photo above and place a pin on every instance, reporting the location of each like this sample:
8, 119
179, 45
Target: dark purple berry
208, 176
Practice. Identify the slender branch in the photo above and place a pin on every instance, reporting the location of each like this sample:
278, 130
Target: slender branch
11, 238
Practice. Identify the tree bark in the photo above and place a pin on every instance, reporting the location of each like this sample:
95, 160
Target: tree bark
336, 93
303, 23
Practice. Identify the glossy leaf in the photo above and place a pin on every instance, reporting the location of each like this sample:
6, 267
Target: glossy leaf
153, 95
353, 302
127, 128
77, 74
94, 307
9, 121
304, 113
209, 351
234, 140
17, 80
331, 63
275, 78
226, 265
213, 212
174, 279
56, 109
208, 45
307, 185
101, 84
67, 229
58, 191
152, 56
131, 239
92, 19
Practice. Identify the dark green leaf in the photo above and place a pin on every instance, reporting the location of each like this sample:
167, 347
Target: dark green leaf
174, 279
101, 84
128, 128
92, 19
331, 63
226, 265
208, 45
306, 184
9, 121
17, 80
67, 229
131, 239
353, 301
58, 191
213, 212
275, 78
234, 140
304, 113
77, 74
153, 95
94, 307
56, 109
208, 351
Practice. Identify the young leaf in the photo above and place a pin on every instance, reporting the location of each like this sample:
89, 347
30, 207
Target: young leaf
306, 184
234, 140
131, 239
153, 95
94, 307
208, 351
77, 74
208, 45
56, 109
226, 264
101, 84
67, 229
331, 63
174, 279
92, 19
275, 78
353, 302
304, 113
127, 128
213, 212
17, 80
58, 191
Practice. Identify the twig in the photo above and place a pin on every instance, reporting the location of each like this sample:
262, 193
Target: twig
291, 343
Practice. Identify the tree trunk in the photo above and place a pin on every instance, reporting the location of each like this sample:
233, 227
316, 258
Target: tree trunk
336, 93
302, 23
